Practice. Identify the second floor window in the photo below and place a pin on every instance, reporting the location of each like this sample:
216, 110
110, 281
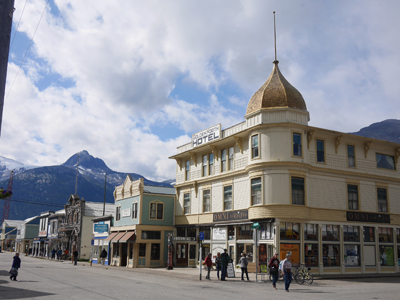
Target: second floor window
254, 146
297, 144
211, 164
351, 156
223, 160
256, 191
186, 203
206, 200
353, 196
298, 190
382, 200
156, 210
228, 197
204, 171
385, 161
320, 151
134, 210
231, 152
118, 213
187, 170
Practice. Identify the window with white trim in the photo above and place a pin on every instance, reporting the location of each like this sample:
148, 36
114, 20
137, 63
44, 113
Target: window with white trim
256, 197
134, 210
382, 200
352, 191
228, 197
223, 160
206, 200
231, 152
297, 144
254, 146
118, 213
211, 164
186, 203
187, 170
156, 210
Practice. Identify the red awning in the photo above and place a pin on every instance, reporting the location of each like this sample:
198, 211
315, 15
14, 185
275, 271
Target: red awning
118, 236
110, 237
128, 236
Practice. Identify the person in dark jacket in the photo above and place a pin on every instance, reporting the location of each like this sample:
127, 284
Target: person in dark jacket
243, 265
224, 264
274, 269
218, 264
16, 265
103, 256
75, 254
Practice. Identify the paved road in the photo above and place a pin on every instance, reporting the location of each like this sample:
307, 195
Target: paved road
43, 279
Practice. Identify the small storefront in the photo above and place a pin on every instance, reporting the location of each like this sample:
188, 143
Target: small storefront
101, 235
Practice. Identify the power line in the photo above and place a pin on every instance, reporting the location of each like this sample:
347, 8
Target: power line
26, 52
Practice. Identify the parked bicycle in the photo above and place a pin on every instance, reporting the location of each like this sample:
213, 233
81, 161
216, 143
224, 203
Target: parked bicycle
308, 276
298, 276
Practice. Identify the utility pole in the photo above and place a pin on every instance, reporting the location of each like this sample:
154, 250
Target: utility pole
77, 171
6, 14
105, 189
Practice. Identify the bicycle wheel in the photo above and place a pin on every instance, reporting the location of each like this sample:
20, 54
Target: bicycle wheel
299, 278
309, 278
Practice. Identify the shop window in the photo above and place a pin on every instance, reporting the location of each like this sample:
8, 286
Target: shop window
156, 210
191, 232
155, 252
207, 232
331, 256
369, 234
181, 232
186, 203
116, 250
351, 156
243, 248
311, 232
256, 197
134, 210
231, 232
131, 251
385, 235
350, 234
267, 231
205, 249
211, 164
192, 251
311, 255
118, 213
382, 200
254, 146
320, 151
223, 160
298, 190
206, 200
151, 235
352, 191
330, 232
187, 170
294, 250
386, 255
228, 197
245, 232
385, 161
205, 165
351, 255
297, 144
290, 231
231, 152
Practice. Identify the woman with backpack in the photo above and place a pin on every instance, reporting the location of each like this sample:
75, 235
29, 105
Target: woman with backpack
243, 265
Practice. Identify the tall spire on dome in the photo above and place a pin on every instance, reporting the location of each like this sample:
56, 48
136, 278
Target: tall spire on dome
276, 92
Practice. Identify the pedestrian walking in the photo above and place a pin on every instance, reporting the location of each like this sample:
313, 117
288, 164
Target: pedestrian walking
287, 271
224, 264
208, 263
53, 254
59, 253
15, 266
274, 269
218, 264
75, 254
103, 256
243, 265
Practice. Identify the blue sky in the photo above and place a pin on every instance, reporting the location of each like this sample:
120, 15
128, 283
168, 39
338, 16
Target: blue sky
129, 81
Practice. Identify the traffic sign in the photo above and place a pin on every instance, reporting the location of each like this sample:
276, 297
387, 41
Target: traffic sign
256, 226
201, 236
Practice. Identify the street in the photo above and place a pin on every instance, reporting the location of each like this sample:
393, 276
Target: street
44, 279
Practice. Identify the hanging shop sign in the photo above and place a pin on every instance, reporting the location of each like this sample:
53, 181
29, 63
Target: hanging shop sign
207, 135
231, 215
367, 217
100, 227
219, 233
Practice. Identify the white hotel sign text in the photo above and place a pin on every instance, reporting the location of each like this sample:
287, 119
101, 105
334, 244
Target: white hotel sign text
207, 135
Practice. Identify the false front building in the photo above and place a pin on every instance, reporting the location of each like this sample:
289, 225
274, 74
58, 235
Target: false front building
331, 199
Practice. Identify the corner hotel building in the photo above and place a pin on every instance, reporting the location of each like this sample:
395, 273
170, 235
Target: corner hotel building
331, 198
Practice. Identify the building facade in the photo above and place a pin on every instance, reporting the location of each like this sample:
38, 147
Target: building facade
8, 234
144, 217
54, 235
26, 233
101, 231
41, 242
332, 199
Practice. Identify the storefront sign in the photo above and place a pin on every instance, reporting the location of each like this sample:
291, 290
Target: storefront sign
294, 250
367, 217
229, 216
219, 233
100, 227
43, 233
207, 135
126, 212
179, 238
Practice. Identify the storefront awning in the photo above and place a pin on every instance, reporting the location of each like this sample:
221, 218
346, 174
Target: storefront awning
130, 236
111, 236
233, 223
118, 237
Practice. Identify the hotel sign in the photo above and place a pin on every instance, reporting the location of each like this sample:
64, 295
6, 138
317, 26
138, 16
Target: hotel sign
367, 217
231, 216
207, 135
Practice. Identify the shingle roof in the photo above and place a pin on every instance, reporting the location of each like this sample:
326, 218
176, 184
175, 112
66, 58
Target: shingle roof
151, 189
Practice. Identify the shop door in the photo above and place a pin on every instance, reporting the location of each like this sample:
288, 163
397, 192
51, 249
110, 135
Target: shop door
181, 255
124, 254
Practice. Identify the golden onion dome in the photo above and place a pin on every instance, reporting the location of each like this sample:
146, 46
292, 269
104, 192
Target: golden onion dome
276, 92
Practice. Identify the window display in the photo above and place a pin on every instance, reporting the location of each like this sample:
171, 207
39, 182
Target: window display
386, 255
331, 257
311, 255
352, 255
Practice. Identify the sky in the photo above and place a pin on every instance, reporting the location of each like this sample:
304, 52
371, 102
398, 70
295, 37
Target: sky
130, 81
